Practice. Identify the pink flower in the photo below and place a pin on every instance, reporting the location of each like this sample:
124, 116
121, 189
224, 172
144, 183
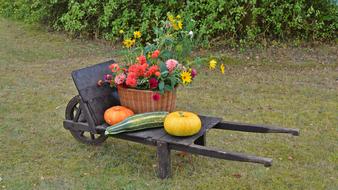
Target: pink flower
171, 64
131, 80
107, 77
119, 79
156, 96
153, 83
114, 67
193, 73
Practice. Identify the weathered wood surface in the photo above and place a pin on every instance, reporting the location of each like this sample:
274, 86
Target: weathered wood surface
159, 134
164, 160
76, 126
152, 136
206, 151
99, 105
96, 91
254, 128
207, 123
202, 140
97, 98
88, 76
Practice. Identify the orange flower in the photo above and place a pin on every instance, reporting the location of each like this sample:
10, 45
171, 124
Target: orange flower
131, 80
141, 59
152, 70
155, 54
138, 69
114, 67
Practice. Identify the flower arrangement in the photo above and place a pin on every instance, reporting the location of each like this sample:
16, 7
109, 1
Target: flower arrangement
160, 65
150, 74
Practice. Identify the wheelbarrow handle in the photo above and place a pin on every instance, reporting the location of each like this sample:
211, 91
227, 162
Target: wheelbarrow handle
254, 128
214, 153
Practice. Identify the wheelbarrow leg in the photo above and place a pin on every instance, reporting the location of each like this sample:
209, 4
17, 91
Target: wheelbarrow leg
201, 140
164, 161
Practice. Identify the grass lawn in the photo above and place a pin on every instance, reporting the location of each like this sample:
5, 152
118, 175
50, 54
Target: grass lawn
37, 153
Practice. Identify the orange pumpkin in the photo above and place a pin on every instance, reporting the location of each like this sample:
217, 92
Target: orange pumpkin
117, 114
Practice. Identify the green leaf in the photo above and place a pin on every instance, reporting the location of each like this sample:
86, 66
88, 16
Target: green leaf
163, 67
164, 74
168, 88
173, 82
149, 48
165, 54
161, 86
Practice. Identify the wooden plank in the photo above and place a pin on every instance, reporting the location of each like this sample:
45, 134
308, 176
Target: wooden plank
201, 140
207, 123
149, 134
93, 92
88, 77
102, 128
99, 105
135, 139
128, 136
76, 126
254, 128
205, 151
164, 161
158, 134
88, 115
97, 98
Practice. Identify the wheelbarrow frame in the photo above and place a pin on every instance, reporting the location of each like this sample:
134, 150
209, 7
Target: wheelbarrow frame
93, 100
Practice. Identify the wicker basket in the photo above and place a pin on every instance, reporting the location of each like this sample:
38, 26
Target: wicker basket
141, 101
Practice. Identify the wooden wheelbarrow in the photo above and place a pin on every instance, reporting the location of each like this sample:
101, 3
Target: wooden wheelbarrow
84, 120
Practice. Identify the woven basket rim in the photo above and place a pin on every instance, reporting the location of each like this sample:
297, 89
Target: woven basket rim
137, 90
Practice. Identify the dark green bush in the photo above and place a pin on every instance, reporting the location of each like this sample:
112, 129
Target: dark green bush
235, 21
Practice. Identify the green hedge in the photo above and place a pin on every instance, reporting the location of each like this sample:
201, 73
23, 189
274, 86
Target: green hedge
235, 21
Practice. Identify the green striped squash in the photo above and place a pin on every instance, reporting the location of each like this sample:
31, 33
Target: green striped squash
138, 122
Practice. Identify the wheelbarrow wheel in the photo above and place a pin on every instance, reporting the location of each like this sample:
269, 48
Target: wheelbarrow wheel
75, 113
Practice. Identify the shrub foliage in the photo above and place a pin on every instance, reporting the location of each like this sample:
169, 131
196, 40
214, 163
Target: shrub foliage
236, 21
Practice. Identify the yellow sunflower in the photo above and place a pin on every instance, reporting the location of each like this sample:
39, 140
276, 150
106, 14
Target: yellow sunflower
171, 18
186, 77
128, 42
177, 23
137, 34
180, 25
222, 68
212, 64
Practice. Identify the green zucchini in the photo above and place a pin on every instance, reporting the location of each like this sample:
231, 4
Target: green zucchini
138, 122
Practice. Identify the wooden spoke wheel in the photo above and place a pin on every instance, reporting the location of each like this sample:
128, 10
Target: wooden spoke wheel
75, 113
